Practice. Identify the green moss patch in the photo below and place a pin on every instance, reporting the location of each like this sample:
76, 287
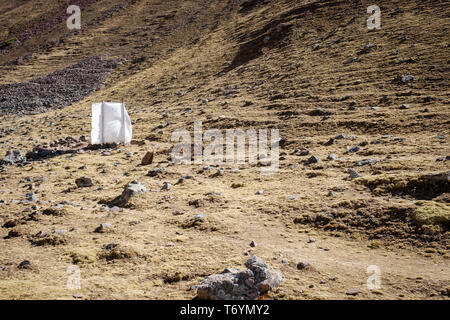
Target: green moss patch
433, 217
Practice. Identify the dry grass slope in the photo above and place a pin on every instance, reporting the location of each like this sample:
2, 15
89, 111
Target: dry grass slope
310, 68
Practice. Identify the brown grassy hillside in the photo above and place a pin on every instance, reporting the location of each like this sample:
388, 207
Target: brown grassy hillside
311, 69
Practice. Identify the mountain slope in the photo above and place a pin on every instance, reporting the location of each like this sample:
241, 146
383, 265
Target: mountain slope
311, 69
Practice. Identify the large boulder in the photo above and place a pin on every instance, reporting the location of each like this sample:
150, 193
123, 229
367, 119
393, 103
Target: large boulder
233, 284
12, 157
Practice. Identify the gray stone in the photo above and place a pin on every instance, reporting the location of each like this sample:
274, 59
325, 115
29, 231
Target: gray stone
302, 265
25, 264
200, 217
352, 292
311, 240
233, 284
155, 172
354, 149
354, 174
13, 157
103, 227
366, 162
31, 196
304, 153
214, 193
332, 157
407, 78
166, 186
133, 188
313, 159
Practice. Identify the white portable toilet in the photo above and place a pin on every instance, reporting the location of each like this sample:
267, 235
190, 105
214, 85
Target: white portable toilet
110, 123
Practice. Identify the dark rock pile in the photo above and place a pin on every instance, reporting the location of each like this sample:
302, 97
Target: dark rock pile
56, 90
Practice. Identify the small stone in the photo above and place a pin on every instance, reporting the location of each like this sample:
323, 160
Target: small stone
354, 149
253, 244
354, 174
84, 182
404, 106
260, 192
219, 172
332, 157
31, 196
313, 159
366, 162
155, 172
311, 240
214, 193
78, 296
352, 292
302, 265
25, 264
103, 227
200, 217
407, 78
294, 197
304, 153
148, 158
12, 157
166, 186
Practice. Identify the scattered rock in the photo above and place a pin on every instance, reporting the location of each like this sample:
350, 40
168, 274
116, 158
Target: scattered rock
313, 159
31, 196
25, 264
200, 217
366, 162
354, 149
352, 292
12, 158
133, 188
155, 172
103, 227
84, 182
332, 157
354, 174
148, 158
166, 186
302, 265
